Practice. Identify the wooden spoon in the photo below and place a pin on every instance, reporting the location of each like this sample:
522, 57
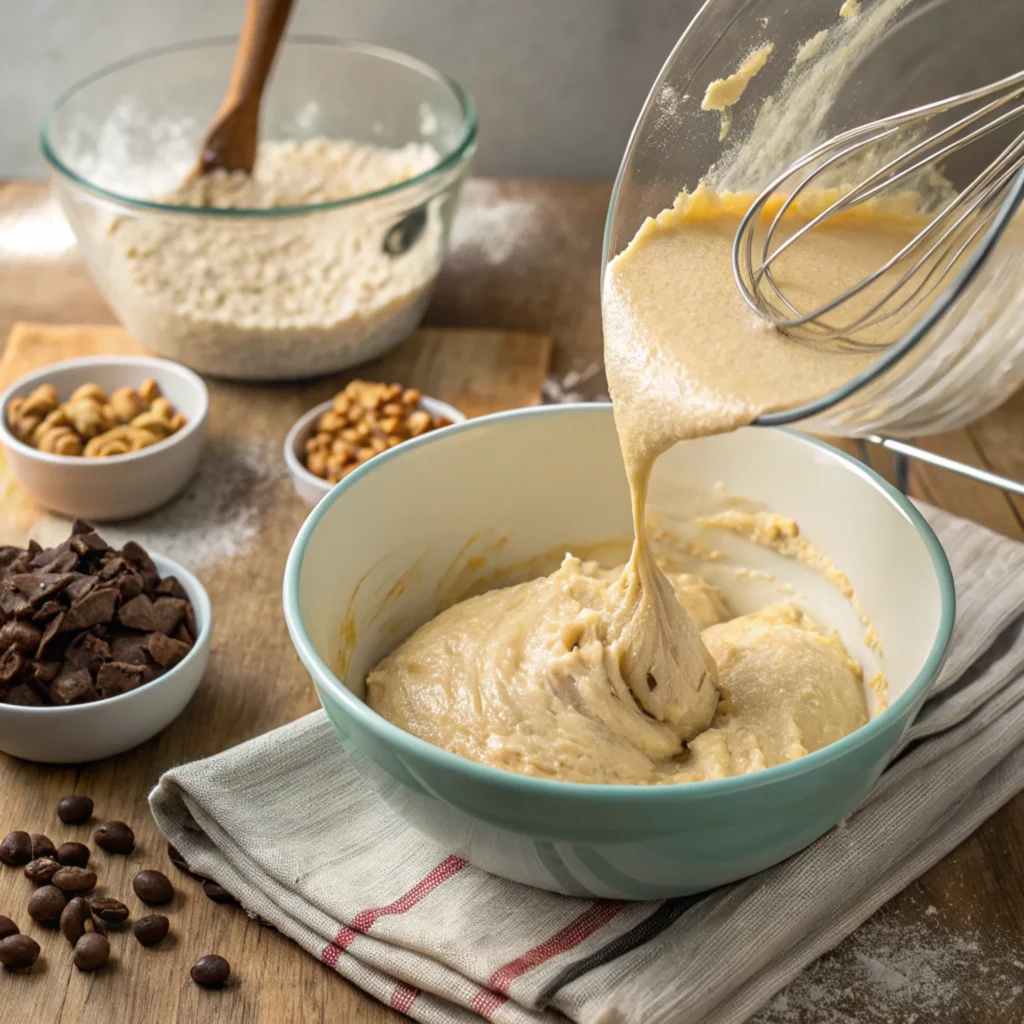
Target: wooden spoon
230, 141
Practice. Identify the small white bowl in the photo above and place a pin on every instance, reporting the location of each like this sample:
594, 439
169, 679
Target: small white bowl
89, 732
119, 486
309, 486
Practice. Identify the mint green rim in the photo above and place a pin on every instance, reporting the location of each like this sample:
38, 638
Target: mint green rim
462, 151
407, 744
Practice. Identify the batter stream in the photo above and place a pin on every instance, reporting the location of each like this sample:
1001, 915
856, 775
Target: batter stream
629, 675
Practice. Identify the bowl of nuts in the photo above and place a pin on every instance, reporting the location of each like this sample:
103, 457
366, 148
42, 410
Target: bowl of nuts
104, 437
363, 420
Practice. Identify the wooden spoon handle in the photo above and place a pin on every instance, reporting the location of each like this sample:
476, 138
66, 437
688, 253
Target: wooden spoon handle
230, 142
264, 25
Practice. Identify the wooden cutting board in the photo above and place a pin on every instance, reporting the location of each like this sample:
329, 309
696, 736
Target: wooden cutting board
477, 371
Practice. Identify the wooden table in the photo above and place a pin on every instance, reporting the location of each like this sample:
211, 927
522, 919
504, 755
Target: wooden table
525, 257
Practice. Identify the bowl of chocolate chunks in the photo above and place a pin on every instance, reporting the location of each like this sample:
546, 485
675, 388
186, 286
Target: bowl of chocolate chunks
100, 647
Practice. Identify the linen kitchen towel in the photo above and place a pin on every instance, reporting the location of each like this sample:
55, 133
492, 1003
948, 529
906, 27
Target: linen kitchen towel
422, 930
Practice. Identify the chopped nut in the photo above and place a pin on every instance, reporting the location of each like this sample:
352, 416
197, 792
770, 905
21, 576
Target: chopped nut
86, 416
177, 421
364, 420
26, 427
148, 390
42, 401
126, 403
151, 423
61, 441
89, 392
162, 407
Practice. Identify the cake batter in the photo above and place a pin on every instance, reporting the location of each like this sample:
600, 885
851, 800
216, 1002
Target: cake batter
598, 675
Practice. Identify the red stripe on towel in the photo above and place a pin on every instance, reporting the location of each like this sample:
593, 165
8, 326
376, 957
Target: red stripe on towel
487, 1003
403, 997
449, 867
561, 942
364, 920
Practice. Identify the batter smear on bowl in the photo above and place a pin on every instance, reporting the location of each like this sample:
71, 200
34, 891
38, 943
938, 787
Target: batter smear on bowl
629, 675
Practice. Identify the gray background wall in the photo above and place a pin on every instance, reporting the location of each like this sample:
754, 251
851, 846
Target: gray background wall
558, 82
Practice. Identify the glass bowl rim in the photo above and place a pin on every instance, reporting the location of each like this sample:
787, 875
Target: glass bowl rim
898, 349
461, 150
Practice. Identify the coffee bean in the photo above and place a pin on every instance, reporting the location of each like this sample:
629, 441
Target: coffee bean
110, 910
151, 929
75, 879
115, 837
16, 849
42, 846
46, 904
210, 971
76, 919
41, 870
7, 927
18, 952
217, 893
75, 810
153, 887
73, 854
179, 862
92, 951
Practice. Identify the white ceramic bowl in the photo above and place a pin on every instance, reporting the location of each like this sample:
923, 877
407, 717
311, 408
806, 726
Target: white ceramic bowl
89, 732
476, 504
309, 486
121, 486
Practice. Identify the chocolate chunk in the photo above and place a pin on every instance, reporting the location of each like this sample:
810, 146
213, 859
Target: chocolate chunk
46, 611
97, 606
22, 695
72, 686
151, 929
42, 671
190, 620
165, 651
13, 602
170, 587
129, 648
20, 635
115, 678
138, 614
168, 612
11, 663
63, 561
18, 952
87, 651
135, 555
38, 587
50, 634
129, 584
80, 586
76, 809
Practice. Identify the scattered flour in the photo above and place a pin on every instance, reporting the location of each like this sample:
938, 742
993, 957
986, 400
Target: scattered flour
218, 518
926, 972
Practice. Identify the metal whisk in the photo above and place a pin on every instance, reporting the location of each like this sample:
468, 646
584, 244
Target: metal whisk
913, 274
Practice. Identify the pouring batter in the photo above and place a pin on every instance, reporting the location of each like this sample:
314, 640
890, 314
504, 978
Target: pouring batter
603, 675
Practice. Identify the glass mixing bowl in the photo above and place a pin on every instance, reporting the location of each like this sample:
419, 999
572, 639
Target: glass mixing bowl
965, 356
261, 293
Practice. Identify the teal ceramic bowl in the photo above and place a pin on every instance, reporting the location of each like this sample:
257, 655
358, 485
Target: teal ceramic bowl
487, 501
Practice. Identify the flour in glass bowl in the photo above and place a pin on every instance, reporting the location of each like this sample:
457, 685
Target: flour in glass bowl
278, 296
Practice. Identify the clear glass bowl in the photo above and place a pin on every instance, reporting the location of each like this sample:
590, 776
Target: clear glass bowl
966, 355
262, 293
